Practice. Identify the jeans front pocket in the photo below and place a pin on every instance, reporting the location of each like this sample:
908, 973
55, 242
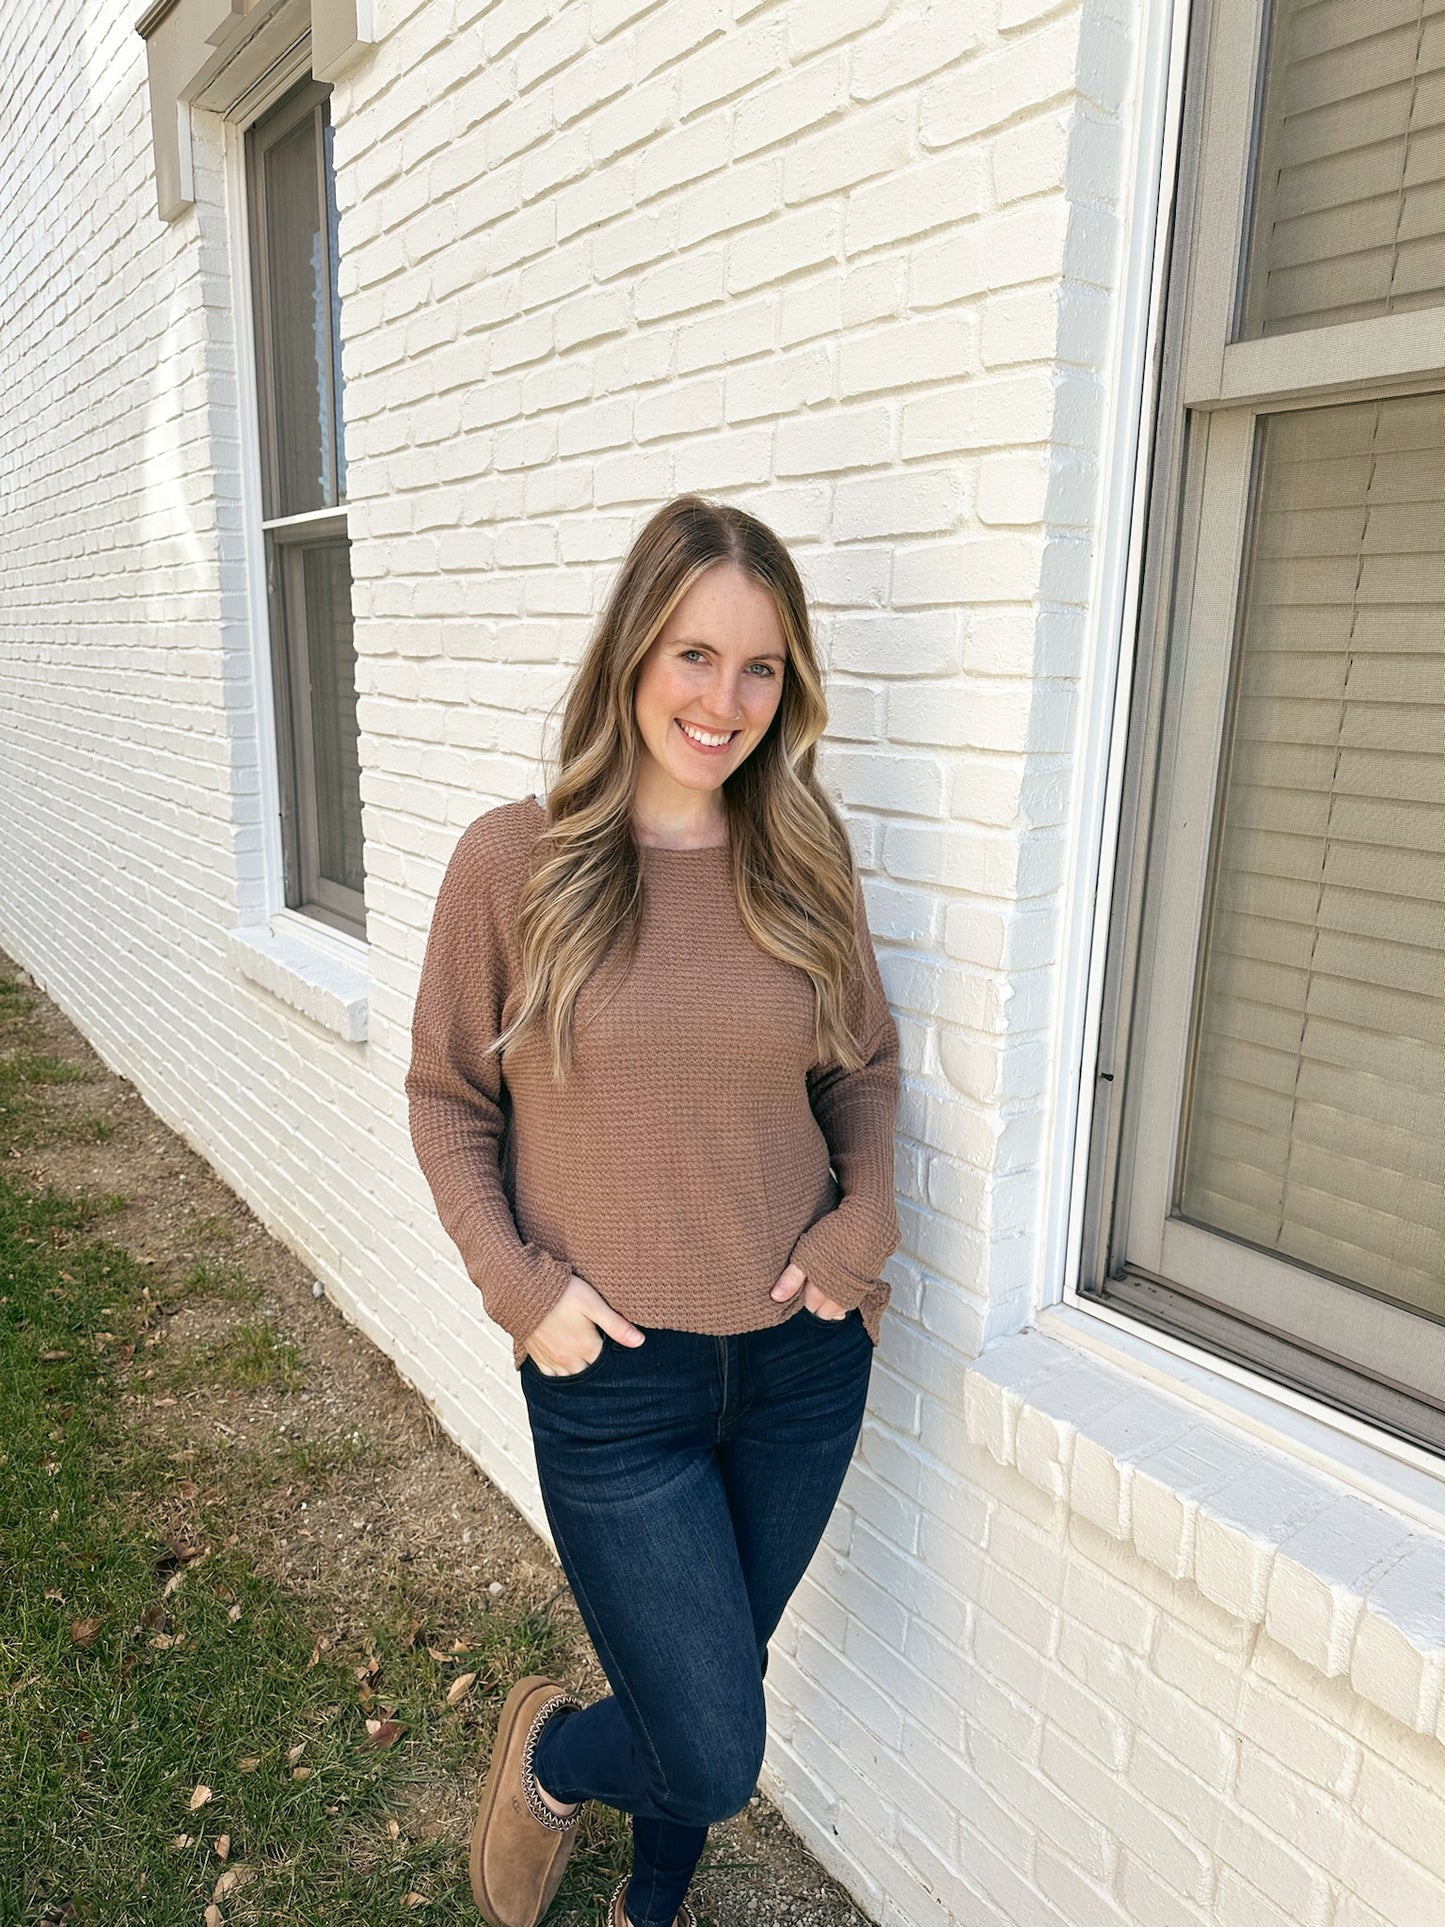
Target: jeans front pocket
532, 1370
818, 1318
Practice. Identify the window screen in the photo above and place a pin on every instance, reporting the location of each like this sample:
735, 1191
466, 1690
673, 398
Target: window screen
1317, 1113
1350, 194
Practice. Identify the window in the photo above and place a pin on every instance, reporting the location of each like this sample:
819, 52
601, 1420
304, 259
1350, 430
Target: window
1269, 1180
292, 198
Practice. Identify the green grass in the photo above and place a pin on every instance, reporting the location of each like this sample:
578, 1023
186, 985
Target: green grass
136, 1666
319, 1462
209, 1279
250, 1358
22, 1074
214, 1229
106, 1729
134, 1669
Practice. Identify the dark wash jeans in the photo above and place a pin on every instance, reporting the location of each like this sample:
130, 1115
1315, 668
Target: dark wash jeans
687, 1482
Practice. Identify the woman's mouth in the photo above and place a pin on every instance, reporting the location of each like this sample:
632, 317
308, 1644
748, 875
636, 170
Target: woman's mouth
707, 742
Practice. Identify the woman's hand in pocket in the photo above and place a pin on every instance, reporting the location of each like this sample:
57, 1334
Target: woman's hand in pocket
569, 1338
815, 1301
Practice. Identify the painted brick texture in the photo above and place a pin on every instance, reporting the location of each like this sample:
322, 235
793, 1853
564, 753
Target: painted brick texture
852, 263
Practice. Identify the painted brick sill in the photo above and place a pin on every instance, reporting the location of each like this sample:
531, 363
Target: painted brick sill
323, 975
1350, 1587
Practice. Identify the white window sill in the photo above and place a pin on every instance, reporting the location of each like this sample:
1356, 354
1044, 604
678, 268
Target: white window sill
318, 971
1335, 1548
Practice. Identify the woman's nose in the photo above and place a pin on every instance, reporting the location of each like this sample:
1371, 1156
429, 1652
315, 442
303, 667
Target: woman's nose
726, 703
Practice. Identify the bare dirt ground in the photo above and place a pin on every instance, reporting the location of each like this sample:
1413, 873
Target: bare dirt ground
383, 1505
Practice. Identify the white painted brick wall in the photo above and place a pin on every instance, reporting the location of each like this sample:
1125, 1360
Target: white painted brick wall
852, 263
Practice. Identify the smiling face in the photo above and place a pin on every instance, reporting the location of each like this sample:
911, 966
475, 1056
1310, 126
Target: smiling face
715, 670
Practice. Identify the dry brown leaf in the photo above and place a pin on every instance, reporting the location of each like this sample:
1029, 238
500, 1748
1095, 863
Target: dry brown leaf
301, 1773
176, 1579
234, 1614
460, 1687
183, 1840
55, 1596
213, 1916
153, 1618
393, 1829
222, 1847
293, 1754
249, 1766
52, 1358
382, 1733
231, 1879
440, 1657
83, 1631
188, 1488
200, 1797
414, 1900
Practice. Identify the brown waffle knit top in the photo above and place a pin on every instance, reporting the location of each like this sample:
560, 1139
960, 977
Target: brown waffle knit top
694, 1149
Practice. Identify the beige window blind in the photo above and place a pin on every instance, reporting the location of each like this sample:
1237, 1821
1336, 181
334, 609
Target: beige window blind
1315, 1115
1349, 215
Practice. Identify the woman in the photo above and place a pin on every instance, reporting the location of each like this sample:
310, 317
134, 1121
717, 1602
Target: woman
673, 958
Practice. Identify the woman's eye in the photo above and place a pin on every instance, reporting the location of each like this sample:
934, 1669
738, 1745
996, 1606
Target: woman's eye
766, 667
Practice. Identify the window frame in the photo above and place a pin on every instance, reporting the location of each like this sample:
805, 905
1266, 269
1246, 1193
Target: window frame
285, 538
1213, 388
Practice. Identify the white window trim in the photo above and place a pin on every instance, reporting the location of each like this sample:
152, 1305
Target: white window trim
1352, 1582
1386, 1468
1336, 1446
287, 957
1096, 805
219, 55
313, 967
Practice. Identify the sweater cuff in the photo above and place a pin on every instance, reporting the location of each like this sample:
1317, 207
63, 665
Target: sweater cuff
518, 1289
824, 1252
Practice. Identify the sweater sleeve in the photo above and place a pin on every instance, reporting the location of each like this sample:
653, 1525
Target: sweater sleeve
845, 1250
454, 1089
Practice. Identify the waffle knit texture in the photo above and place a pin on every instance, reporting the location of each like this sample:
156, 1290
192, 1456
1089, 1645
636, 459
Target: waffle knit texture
694, 1149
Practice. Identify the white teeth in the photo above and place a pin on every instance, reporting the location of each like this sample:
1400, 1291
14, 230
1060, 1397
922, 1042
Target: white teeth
699, 736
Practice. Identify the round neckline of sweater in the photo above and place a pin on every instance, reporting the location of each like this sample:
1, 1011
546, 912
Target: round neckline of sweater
660, 849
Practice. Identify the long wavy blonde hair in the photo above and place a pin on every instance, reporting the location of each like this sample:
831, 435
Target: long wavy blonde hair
793, 869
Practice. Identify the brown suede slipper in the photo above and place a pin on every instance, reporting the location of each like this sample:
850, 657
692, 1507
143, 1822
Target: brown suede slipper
519, 1848
617, 1915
